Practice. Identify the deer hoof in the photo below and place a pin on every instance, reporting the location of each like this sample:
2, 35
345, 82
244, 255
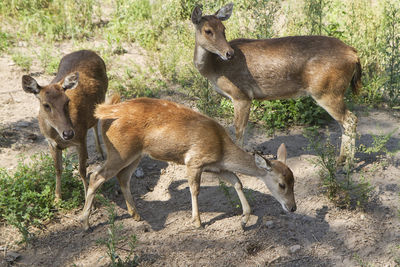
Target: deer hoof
136, 217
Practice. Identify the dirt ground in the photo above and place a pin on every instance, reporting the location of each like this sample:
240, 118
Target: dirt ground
317, 234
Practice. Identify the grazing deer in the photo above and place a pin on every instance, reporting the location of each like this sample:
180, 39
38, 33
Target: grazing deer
168, 131
67, 105
278, 68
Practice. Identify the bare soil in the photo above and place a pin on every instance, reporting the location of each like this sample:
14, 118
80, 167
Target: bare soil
317, 234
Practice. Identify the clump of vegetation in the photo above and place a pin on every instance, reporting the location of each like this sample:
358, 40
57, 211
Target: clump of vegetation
341, 188
27, 195
23, 61
234, 200
114, 237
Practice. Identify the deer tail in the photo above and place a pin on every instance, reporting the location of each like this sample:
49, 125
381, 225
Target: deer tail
107, 110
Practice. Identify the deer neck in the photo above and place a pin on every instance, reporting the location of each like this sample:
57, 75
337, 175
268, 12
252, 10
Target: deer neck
203, 60
243, 162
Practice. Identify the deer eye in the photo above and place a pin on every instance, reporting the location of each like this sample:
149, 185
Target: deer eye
208, 32
47, 107
282, 186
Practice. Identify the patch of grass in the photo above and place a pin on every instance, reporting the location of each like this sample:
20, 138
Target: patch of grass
5, 41
48, 61
115, 236
340, 187
23, 61
27, 195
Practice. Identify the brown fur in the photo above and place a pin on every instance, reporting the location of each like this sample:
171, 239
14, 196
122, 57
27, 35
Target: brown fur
57, 117
278, 68
168, 131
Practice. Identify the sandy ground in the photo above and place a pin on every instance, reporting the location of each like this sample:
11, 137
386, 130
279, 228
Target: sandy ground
317, 234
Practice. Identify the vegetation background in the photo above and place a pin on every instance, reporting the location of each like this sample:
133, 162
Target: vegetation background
164, 30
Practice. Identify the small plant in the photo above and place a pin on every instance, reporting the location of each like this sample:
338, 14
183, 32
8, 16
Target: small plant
234, 200
341, 189
114, 237
235, 203
5, 41
27, 195
23, 61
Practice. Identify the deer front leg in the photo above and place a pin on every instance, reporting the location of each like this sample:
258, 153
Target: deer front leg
231, 178
242, 111
56, 154
194, 176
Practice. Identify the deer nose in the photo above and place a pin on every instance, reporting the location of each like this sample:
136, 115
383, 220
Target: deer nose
67, 135
293, 209
229, 54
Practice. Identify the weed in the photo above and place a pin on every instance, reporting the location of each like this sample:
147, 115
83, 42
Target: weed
23, 61
234, 200
360, 261
27, 195
340, 188
114, 237
5, 41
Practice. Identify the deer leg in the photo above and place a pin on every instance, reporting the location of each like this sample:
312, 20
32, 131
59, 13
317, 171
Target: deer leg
124, 178
336, 107
241, 117
97, 140
349, 132
56, 154
97, 178
83, 155
194, 175
231, 178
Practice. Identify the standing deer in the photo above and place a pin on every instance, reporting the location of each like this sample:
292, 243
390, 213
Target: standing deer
278, 68
168, 131
67, 105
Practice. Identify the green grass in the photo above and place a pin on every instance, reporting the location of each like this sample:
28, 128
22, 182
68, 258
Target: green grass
27, 195
22, 61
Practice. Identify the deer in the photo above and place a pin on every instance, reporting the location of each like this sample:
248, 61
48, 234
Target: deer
67, 105
171, 132
279, 68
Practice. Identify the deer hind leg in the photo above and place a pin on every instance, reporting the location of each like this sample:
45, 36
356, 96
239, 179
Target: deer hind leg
241, 117
56, 154
97, 178
231, 178
194, 175
124, 178
336, 107
97, 140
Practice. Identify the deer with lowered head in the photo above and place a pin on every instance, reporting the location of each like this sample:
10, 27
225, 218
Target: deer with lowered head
168, 131
245, 69
67, 105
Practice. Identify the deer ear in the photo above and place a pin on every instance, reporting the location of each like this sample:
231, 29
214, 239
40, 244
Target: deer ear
70, 81
262, 163
196, 15
30, 85
225, 12
282, 154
